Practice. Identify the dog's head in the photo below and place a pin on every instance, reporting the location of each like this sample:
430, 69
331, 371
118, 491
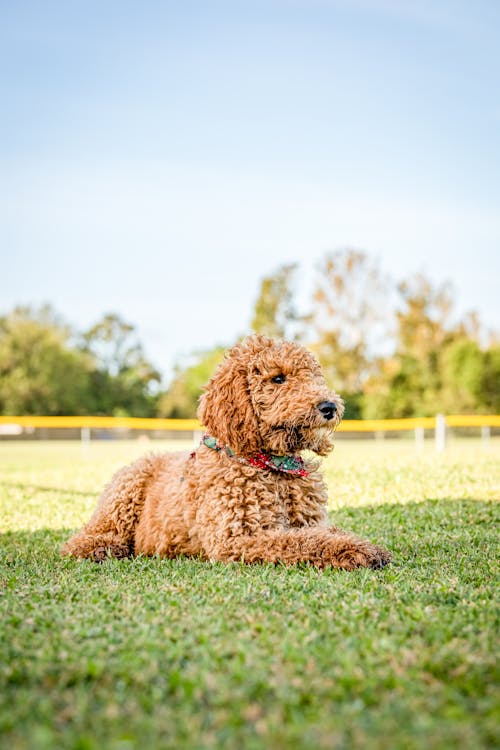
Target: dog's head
270, 396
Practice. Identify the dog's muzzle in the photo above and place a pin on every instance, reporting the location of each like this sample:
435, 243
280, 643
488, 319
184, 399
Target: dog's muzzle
328, 409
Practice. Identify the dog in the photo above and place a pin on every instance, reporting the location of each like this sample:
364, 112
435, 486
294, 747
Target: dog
246, 494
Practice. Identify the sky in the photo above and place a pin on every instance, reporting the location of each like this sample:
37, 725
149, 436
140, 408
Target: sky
157, 159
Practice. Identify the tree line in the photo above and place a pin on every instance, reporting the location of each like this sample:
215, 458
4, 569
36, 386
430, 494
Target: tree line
391, 348
47, 368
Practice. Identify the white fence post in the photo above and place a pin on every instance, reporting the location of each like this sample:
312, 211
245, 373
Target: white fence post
485, 435
419, 438
440, 433
85, 441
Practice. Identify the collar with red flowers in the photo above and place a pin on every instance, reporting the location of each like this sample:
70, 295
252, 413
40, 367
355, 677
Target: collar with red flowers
293, 465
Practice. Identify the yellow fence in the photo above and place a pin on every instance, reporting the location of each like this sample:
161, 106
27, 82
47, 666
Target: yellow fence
128, 423
188, 425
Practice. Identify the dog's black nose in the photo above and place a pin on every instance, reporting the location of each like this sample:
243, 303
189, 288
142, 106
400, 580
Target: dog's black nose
328, 409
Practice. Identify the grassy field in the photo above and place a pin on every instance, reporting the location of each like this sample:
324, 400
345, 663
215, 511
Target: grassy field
154, 654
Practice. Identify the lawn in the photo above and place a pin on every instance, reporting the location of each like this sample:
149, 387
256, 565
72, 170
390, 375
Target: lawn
154, 654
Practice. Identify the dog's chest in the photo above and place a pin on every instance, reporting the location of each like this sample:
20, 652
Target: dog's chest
271, 505
288, 502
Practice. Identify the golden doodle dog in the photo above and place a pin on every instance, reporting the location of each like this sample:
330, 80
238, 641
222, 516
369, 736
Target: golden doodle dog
246, 493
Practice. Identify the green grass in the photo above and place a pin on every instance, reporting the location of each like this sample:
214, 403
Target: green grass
153, 654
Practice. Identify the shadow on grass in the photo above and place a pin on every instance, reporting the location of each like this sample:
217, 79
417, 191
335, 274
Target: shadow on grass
434, 529
53, 490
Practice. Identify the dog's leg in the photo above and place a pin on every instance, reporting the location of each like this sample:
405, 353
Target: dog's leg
110, 531
96, 547
321, 547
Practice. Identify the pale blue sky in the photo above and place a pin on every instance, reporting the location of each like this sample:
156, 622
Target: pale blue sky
158, 158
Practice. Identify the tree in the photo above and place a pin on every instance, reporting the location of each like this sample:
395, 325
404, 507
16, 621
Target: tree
123, 381
113, 344
438, 364
40, 373
472, 377
425, 330
349, 321
45, 370
490, 383
275, 313
423, 317
181, 398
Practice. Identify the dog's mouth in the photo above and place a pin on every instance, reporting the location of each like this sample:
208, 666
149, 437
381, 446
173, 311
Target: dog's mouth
317, 438
304, 429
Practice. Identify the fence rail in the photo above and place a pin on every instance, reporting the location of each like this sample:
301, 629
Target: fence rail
12, 425
128, 423
188, 425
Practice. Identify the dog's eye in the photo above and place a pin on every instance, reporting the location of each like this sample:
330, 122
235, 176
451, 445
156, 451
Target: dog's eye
278, 379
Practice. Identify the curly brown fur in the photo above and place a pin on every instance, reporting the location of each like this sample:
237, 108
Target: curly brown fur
264, 397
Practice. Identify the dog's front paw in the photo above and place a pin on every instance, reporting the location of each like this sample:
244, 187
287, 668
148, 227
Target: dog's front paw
101, 554
360, 554
379, 557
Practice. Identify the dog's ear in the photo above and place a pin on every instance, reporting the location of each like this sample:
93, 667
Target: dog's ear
226, 410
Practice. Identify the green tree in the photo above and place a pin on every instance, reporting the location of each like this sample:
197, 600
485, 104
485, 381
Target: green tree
181, 398
424, 317
40, 371
275, 313
491, 379
472, 377
425, 330
123, 381
438, 364
349, 321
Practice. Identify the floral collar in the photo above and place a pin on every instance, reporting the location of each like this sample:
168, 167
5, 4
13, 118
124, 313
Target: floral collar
293, 465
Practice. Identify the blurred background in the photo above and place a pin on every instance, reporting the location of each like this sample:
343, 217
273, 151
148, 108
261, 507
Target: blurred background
176, 175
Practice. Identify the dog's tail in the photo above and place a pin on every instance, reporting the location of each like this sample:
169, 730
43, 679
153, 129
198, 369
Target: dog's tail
110, 531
